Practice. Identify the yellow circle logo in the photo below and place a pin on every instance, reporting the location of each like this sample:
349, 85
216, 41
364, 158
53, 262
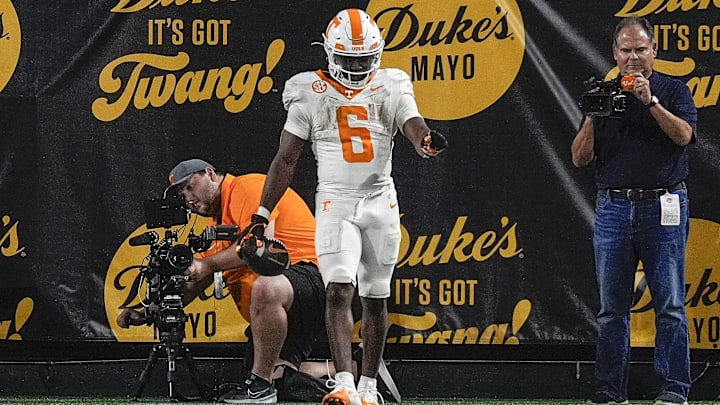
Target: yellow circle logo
208, 319
461, 56
701, 296
9, 42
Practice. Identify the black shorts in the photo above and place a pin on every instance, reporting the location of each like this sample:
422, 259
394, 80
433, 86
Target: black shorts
306, 318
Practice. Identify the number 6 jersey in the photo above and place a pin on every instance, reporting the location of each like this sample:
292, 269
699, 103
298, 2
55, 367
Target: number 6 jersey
351, 131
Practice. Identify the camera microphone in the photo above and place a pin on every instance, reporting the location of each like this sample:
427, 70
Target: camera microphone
627, 82
147, 238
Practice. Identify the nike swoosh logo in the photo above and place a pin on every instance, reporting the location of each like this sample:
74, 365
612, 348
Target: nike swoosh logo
393, 205
376, 87
255, 395
273, 249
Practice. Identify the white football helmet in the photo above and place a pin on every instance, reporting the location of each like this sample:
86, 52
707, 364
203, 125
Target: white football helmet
353, 45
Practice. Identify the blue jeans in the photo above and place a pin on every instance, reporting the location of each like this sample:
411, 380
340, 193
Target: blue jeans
626, 232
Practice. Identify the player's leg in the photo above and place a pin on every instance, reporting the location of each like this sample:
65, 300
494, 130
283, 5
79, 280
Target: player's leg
374, 332
340, 325
381, 244
337, 242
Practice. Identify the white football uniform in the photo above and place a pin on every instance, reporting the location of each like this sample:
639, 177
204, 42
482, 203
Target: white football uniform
351, 133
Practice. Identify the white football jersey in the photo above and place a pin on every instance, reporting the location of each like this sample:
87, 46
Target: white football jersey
351, 131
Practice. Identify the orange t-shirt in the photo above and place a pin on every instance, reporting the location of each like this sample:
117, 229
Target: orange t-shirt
294, 225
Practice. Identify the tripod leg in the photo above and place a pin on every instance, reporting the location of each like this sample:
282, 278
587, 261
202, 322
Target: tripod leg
171, 358
192, 367
145, 375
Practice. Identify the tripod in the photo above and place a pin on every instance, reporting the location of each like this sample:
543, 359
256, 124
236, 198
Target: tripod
173, 348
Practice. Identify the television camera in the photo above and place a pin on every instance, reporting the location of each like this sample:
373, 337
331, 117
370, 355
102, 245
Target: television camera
605, 98
163, 274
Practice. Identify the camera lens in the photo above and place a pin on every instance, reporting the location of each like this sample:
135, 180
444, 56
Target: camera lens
180, 257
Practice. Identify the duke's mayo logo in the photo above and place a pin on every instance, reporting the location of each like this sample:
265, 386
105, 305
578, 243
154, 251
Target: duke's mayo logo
461, 56
9, 42
702, 292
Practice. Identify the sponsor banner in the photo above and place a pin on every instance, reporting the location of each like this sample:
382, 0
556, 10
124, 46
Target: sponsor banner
496, 232
126, 286
10, 38
445, 49
701, 297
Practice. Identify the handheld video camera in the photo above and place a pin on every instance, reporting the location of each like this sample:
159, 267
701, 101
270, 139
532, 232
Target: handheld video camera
168, 260
604, 98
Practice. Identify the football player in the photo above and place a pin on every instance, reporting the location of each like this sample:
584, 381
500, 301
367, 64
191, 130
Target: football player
350, 114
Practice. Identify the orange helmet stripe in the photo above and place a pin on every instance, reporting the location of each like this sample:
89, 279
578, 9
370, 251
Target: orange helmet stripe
356, 26
334, 23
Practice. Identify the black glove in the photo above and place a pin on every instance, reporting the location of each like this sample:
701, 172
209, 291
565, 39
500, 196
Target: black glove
433, 143
256, 228
266, 257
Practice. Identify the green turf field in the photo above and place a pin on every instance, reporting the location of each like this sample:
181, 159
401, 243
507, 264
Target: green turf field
146, 401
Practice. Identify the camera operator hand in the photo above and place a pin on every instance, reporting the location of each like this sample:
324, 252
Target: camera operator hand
130, 317
198, 270
200, 277
641, 89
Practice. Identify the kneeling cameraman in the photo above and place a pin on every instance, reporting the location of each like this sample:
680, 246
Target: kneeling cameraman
286, 313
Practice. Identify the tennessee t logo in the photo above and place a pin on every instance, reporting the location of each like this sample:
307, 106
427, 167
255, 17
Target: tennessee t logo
325, 204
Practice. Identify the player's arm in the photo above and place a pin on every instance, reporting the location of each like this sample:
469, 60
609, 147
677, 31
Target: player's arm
427, 142
281, 172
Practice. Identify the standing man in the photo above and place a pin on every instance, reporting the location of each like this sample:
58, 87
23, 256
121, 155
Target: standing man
350, 114
285, 312
641, 213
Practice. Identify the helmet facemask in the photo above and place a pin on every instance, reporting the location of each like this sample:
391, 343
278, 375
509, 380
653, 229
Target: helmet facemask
353, 45
352, 71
